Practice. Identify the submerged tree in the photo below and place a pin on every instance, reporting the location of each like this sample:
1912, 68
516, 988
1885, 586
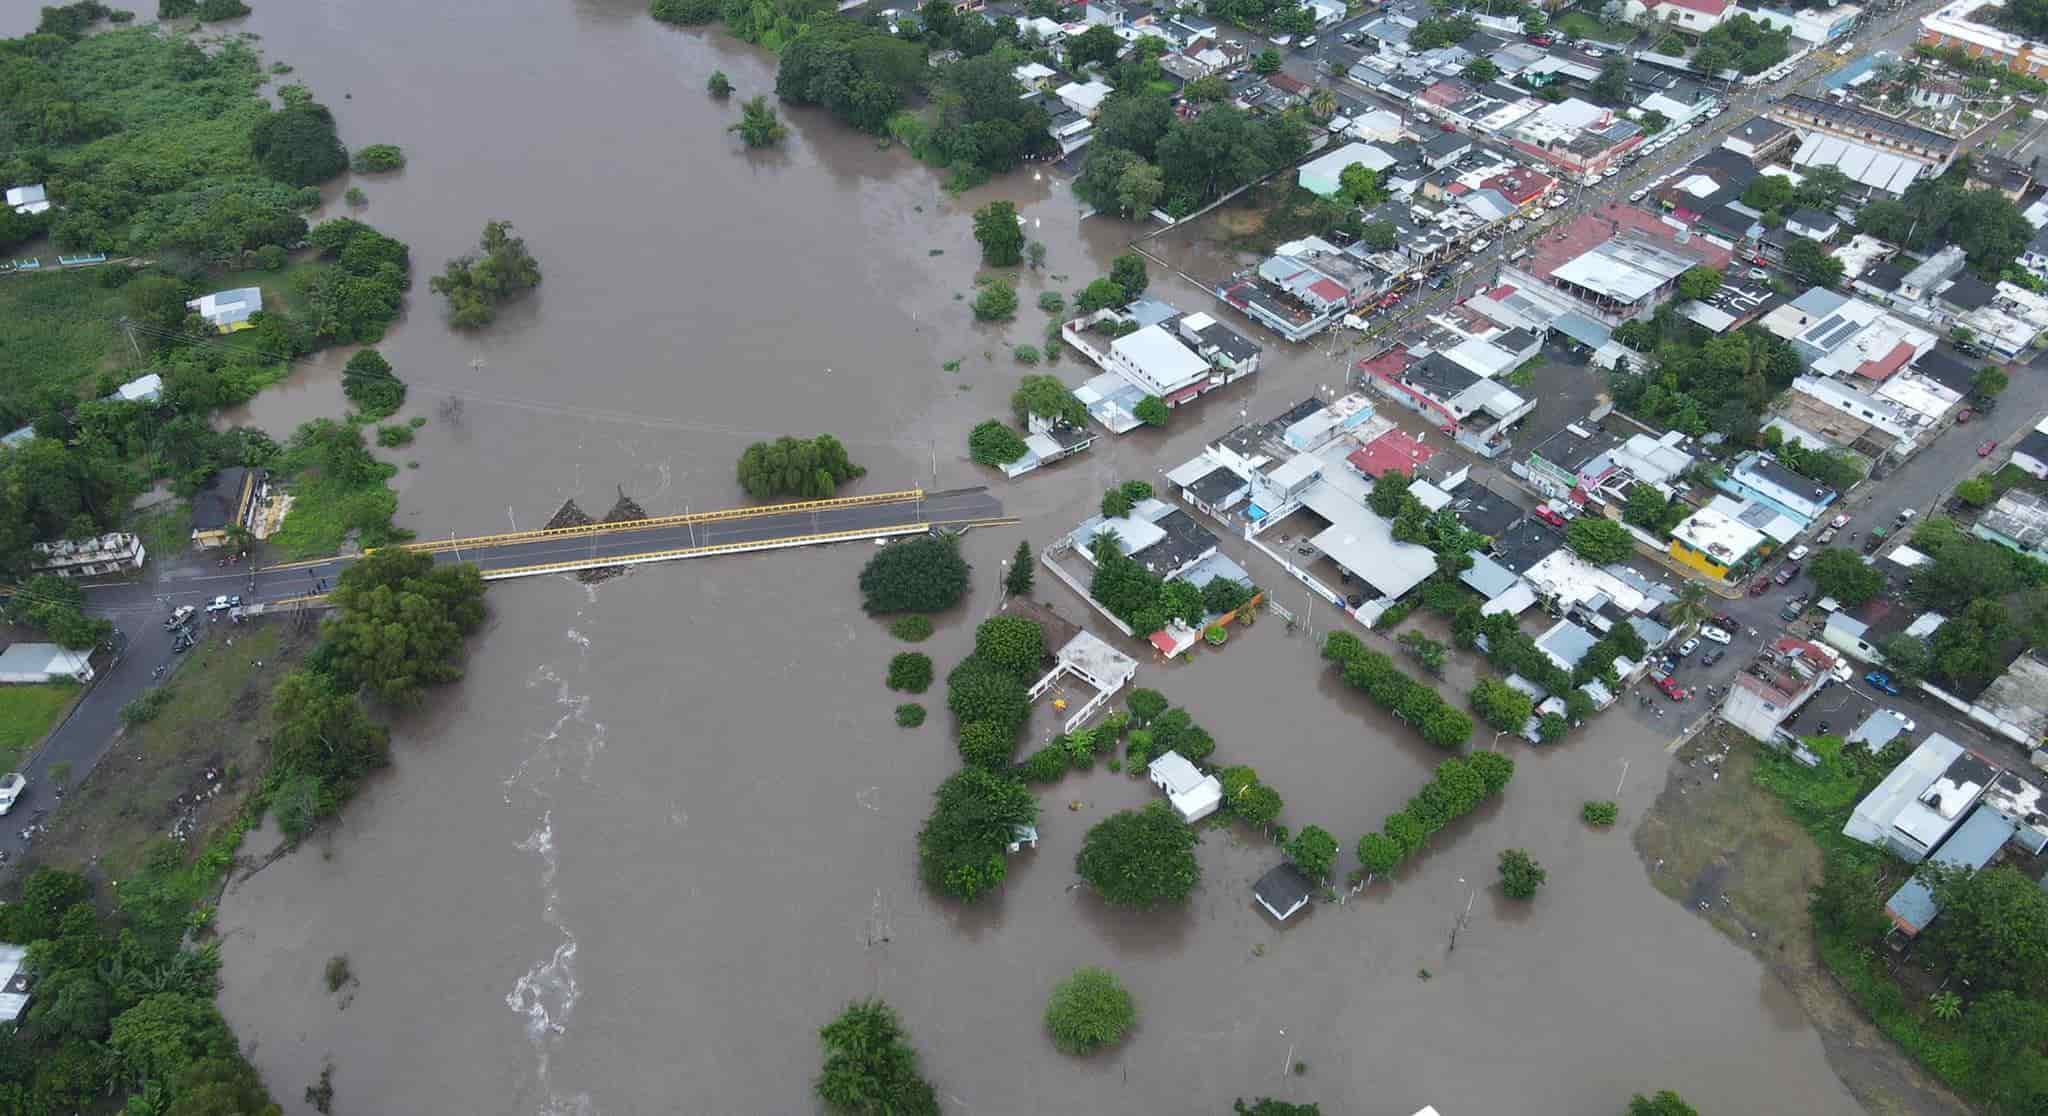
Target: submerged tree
870, 1069
758, 125
812, 468
475, 284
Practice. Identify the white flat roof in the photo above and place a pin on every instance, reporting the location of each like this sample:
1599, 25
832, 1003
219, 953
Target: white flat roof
1159, 355
41, 658
1363, 543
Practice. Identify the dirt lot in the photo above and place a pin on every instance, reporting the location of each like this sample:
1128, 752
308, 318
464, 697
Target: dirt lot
186, 771
1723, 846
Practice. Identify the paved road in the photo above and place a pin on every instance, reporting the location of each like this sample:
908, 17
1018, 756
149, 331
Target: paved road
138, 609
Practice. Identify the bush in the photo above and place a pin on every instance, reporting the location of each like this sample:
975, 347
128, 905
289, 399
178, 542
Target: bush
912, 629
869, 1064
1051, 302
1520, 875
1025, 354
992, 443
377, 157
368, 382
1146, 705
1046, 765
1089, 1011
922, 574
1601, 814
910, 714
146, 707
910, 671
997, 302
392, 435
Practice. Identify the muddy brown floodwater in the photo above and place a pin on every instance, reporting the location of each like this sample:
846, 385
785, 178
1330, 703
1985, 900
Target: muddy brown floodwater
665, 828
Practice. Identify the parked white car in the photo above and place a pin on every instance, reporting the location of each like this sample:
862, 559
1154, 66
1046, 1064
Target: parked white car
1481, 245
10, 790
1905, 722
1800, 552
1716, 634
1759, 274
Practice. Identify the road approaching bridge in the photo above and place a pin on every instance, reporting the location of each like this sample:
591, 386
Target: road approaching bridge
567, 549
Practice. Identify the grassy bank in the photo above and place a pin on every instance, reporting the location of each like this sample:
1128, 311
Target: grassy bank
215, 719
29, 712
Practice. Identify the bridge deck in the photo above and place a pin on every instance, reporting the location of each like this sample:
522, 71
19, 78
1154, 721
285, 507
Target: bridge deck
534, 553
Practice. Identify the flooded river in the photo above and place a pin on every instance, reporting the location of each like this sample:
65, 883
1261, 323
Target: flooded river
665, 828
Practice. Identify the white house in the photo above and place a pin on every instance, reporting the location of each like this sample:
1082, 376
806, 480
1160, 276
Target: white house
28, 199
1154, 361
1322, 175
228, 311
1326, 12
1194, 795
27, 663
1084, 97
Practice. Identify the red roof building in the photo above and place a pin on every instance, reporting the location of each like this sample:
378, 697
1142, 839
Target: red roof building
1522, 185
1888, 365
1395, 450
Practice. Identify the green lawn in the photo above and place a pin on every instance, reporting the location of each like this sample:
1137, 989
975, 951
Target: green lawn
57, 331
1579, 25
27, 712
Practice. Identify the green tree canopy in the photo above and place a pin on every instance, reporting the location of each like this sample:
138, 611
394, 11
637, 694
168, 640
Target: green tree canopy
992, 443
297, 144
974, 818
399, 622
475, 284
1842, 574
1012, 643
870, 1069
1000, 236
1501, 705
921, 574
1314, 852
1140, 858
810, 469
1600, 540
1045, 396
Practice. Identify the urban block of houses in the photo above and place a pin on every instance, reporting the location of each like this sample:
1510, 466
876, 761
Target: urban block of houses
1760, 139
1972, 846
1868, 128
1578, 137
1839, 336
1717, 545
1616, 264
1954, 25
1767, 692
1897, 419
228, 311
1817, 26
1304, 287
1169, 354
115, 553
1046, 441
1193, 795
2017, 520
227, 501
27, 664
1760, 478
1456, 389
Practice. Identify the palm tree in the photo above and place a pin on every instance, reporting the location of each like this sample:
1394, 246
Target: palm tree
1691, 606
1323, 104
1946, 1006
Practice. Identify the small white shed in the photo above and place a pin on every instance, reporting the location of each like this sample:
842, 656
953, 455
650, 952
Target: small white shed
25, 663
1194, 795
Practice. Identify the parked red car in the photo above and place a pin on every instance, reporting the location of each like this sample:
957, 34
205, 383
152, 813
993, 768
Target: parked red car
1985, 449
1759, 587
1544, 513
1541, 40
1671, 688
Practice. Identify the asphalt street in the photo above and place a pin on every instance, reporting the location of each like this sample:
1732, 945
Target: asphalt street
138, 610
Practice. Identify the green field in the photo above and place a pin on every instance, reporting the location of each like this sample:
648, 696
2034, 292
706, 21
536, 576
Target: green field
57, 334
27, 713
